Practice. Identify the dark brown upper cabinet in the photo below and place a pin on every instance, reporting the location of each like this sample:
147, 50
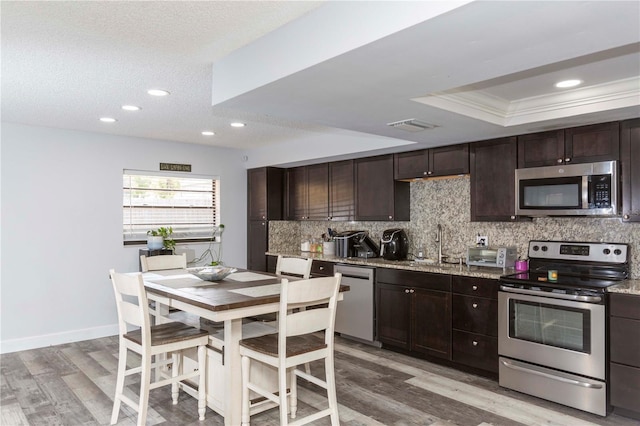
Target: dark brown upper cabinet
630, 169
265, 189
586, 144
378, 195
308, 192
442, 161
342, 203
493, 170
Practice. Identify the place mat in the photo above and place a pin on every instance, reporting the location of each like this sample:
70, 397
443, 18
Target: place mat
248, 276
259, 291
179, 281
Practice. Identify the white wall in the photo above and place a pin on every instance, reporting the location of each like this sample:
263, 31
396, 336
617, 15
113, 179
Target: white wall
61, 204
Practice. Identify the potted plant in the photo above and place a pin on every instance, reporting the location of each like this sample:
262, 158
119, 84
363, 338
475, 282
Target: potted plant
161, 237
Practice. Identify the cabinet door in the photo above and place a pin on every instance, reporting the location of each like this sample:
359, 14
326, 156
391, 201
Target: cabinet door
265, 193
297, 193
257, 191
541, 149
257, 244
449, 160
378, 195
341, 191
411, 165
431, 322
630, 170
318, 192
588, 144
392, 314
493, 165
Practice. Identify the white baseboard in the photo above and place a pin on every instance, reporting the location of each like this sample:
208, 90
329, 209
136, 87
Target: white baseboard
26, 343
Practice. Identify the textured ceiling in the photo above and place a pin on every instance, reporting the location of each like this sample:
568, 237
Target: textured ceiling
328, 72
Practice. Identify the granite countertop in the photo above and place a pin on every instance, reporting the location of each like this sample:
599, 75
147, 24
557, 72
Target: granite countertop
631, 286
378, 262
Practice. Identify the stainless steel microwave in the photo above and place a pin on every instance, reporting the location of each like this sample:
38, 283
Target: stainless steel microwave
589, 189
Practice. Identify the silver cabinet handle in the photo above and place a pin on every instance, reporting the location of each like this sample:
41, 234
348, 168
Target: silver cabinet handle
551, 376
475, 305
567, 160
474, 287
412, 291
474, 343
406, 290
559, 160
626, 216
513, 218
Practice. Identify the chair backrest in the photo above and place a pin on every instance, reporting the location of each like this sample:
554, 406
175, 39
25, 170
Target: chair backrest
132, 304
294, 266
311, 292
162, 262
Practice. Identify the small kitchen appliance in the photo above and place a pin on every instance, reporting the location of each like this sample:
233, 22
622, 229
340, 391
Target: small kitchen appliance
355, 244
500, 257
394, 244
552, 322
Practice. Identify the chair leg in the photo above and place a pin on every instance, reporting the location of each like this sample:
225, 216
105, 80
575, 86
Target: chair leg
122, 367
145, 384
293, 394
176, 367
246, 368
202, 391
282, 388
331, 390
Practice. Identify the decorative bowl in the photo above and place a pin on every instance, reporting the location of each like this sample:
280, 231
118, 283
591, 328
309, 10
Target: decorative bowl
212, 273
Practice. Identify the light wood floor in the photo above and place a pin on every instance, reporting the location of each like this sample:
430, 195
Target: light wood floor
73, 384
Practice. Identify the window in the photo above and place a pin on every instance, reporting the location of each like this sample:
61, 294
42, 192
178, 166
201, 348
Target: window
190, 205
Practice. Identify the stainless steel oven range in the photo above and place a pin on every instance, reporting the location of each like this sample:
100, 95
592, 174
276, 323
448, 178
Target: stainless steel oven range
552, 333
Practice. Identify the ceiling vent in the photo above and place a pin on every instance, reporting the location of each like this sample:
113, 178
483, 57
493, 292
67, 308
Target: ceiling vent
411, 125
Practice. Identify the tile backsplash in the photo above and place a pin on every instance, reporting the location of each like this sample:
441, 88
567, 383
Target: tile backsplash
447, 202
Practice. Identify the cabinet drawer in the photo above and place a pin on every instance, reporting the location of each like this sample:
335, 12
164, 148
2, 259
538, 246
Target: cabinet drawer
475, 350
321, 268
625, 387
475, 314
480, 287
426, 280
625, 341
624, 305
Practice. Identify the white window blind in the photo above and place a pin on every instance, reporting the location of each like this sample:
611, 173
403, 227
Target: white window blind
187, 204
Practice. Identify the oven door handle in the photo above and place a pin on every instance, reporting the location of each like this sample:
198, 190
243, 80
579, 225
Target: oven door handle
589, 299
551, 376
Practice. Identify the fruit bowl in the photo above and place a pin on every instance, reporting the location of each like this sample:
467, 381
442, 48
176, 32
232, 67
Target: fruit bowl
212, 273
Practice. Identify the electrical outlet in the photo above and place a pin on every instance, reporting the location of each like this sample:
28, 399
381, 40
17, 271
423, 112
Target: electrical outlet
482, 241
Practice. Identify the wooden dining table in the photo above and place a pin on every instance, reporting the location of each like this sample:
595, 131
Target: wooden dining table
240, 295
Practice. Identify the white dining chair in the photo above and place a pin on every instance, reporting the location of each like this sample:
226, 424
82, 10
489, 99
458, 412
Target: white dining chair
150, 341
163, 262
294, 266
303, 336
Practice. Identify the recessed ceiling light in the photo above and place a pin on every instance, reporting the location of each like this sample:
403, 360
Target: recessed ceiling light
131, 108
108, 119
237, 124
208, 133
568, 83
157, 92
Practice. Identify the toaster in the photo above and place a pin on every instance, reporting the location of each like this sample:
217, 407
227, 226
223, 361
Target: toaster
501, 257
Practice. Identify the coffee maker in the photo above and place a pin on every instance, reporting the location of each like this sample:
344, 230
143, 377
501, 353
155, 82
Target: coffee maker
394, 244
355, 244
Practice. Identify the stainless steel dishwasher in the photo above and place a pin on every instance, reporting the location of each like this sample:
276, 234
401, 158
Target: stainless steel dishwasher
355, 315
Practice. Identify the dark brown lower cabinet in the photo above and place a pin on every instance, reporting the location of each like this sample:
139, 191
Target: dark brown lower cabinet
474, 321
413, 311
624, 356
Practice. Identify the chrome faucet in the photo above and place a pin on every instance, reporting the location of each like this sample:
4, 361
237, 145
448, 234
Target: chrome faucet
439, 241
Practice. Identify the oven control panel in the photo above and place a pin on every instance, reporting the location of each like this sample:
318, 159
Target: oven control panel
586, 252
